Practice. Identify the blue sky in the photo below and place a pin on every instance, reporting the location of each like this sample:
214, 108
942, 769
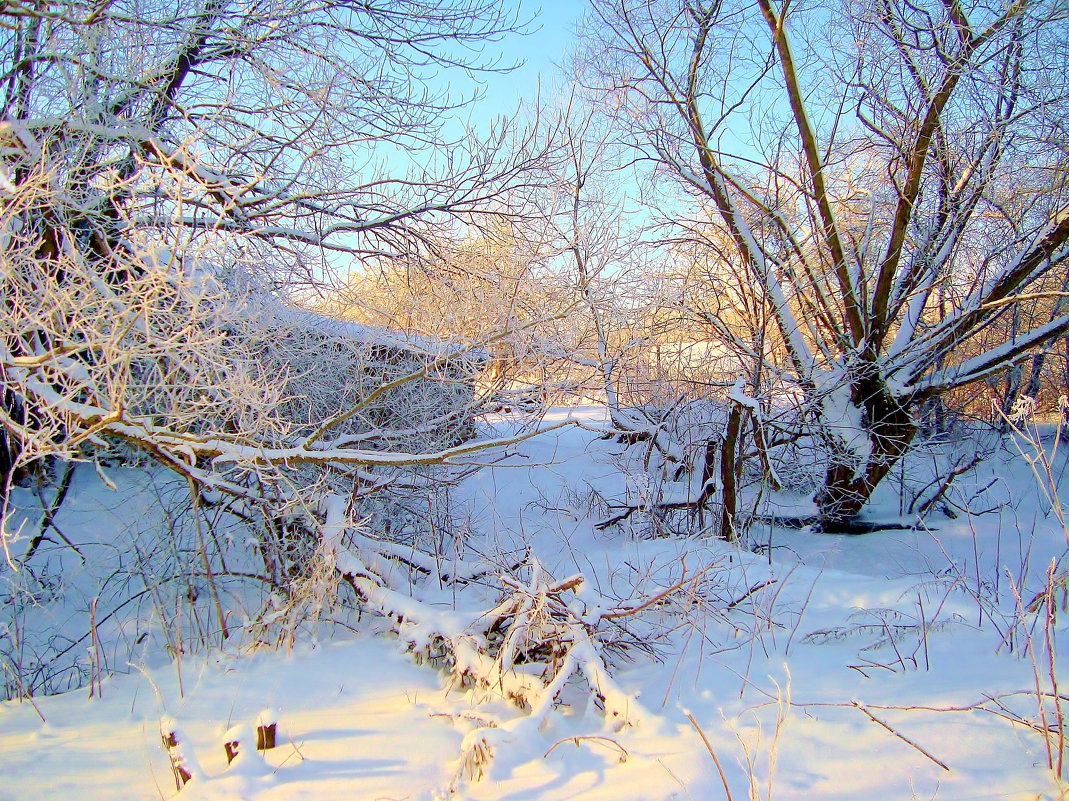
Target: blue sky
542, 51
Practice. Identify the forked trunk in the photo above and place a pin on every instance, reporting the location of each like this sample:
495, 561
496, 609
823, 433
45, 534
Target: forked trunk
847, 486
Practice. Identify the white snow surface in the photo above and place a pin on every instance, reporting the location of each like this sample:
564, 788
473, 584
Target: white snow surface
779, 656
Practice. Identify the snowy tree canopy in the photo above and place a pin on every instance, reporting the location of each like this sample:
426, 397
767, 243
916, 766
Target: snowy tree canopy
891, 177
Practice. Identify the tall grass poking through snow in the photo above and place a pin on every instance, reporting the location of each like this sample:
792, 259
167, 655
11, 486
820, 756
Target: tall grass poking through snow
1037, 617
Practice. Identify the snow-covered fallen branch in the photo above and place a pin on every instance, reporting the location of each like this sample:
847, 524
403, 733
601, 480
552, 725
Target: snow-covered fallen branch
542, 636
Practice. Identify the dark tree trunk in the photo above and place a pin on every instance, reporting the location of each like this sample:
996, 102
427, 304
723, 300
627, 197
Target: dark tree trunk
9, 444
729, 473
847, 486
8, 454
1035, 376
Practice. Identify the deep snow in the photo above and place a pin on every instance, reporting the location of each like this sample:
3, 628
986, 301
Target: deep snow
782, 655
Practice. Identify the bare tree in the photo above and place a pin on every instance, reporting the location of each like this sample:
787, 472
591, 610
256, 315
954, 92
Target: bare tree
867, 161
489, 285
146, 148
584, 228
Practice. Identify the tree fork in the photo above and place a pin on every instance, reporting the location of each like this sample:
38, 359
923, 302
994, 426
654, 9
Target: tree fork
890, 429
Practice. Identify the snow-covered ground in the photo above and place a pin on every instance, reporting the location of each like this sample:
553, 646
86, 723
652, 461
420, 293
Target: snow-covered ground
813, 666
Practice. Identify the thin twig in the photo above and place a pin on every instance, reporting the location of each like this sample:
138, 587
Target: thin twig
592, 737
899, 735
709, 748
750, 592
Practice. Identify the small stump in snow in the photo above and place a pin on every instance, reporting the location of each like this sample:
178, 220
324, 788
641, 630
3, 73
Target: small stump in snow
231, 747
265, 736
174, 754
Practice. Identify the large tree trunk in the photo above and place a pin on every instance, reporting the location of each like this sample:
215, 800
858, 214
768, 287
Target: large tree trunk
890, 429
